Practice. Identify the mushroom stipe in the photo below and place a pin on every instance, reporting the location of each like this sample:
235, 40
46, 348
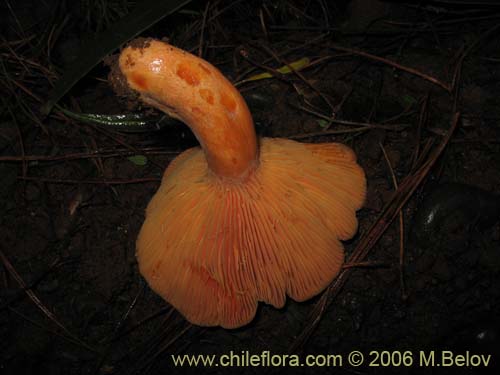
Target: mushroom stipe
238, 220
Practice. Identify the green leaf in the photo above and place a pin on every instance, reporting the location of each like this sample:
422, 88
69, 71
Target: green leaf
323, 123
285, 69
139, 160
408, 99
146, 14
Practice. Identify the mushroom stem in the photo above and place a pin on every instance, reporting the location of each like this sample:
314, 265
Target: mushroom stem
188, 88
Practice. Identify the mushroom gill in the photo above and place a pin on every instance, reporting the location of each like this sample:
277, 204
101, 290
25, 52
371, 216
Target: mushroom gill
236, 221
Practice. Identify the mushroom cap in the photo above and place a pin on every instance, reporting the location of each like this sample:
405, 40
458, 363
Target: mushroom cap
214, 248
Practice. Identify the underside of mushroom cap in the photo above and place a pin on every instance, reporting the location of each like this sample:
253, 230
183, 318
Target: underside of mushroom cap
214, 249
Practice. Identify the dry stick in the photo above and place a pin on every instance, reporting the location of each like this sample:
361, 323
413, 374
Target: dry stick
85, 155
358, 127
366, 264
351, 123
39, 304
94, 181
28, 110
276, 74
146, 363
286, 52
59, 114
16, 57
421, 123
418, 73
117, 330
26, 90
21, 140
338, 107
374, 105
20, 293
432, 28
425, 151
142, 322
192, 29
148, 357
55, 34
469, 19
301, 76
54, 332
301, 13
263, 24
401, 227
108, 134
98, 163
47, 73
129, 309
14, 43
368, 241
458, 69
153, 341
170, 342
202, 30
21, 144
406, 112
329, 132
124, 144
326, 12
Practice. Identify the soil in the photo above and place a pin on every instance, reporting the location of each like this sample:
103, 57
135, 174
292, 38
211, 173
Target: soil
72, 298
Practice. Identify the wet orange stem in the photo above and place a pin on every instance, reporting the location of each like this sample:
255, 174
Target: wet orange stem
188, 88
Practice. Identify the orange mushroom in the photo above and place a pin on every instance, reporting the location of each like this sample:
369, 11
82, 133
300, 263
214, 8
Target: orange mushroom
236, 221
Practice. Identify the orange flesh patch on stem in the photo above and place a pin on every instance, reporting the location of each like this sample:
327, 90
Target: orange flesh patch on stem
207, 95
228, 103
186, 73
139, 81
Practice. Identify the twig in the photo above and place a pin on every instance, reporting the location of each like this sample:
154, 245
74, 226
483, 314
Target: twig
110, 135
467, 51
39, 303
283, 53
202, 30
401, 226
154, 315
300, 75
85, 155
96, 181
329, 132
333, 120
118, 328
263, 24
20, 293
35, 323
413, 71
422, 121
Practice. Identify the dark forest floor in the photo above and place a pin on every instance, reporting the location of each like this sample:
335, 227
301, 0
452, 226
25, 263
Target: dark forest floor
72, 199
